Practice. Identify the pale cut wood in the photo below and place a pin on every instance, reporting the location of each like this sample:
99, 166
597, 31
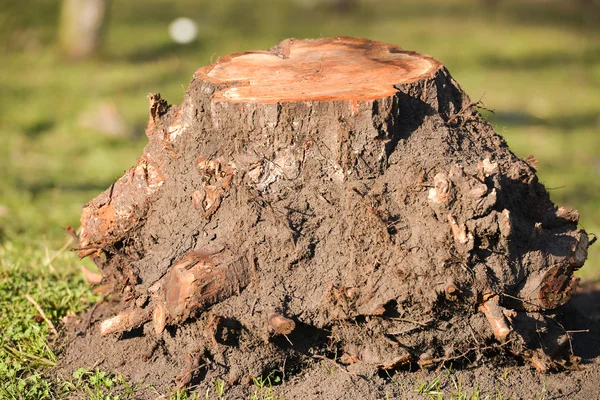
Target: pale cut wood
340, 68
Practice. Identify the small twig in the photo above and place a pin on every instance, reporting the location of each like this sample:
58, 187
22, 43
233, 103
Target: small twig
252, 308
455, 117
192, 365
94, 258
465, 353
341, 366
283, 370
42, 313
65, 246
71, 232
187, 376
472, 331
424, 324
568, 333
525, 301
579, 331
403, 332
288, 339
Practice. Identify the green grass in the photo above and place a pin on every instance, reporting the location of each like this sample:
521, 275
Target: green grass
264, 387
536, 64
97, 385
449, 385
25, 341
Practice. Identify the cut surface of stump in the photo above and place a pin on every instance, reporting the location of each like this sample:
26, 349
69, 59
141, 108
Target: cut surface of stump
318, 70
334, 193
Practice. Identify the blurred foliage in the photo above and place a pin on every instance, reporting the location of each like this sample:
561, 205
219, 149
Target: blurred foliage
535, 63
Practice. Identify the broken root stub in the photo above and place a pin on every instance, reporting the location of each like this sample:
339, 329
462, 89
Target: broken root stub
496, 317
330, 178
281, 325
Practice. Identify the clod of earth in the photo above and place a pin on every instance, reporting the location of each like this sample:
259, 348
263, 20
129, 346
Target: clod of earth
343, 194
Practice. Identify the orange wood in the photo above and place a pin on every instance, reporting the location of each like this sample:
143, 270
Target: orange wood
327, 69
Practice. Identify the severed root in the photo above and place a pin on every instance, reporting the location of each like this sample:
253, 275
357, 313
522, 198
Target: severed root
193, 284
496, 316
200, 280
159, 319
124, 321
568, 214
552, 286
105, 222
281, 325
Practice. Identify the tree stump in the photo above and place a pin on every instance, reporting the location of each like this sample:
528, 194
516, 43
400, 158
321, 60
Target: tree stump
335, 193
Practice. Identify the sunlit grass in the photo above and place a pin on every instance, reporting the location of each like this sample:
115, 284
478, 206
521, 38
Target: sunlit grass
50, 279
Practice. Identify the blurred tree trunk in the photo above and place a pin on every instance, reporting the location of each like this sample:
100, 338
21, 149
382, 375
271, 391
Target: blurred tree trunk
343, 5
81, 27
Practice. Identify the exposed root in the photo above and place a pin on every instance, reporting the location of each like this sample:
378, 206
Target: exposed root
452, 291
568, 214
192, 364
496, 317
540, 361
504, 223
200, 280
159, 319
124, 321
398, 362
441, 193
461, 236
488, 167
194, 283
281, 325
216, 178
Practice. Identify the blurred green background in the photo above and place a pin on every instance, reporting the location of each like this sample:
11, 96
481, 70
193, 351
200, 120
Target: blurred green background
69, 128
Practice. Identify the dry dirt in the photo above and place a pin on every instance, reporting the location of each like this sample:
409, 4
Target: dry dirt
307, 377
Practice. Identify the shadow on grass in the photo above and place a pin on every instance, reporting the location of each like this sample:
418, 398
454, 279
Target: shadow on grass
583, 318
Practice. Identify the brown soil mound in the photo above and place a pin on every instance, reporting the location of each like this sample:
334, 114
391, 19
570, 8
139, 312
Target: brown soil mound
335, 198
